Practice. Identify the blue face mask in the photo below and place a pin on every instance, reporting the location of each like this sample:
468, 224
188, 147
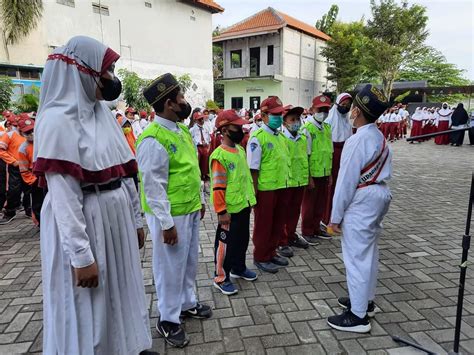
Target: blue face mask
294, 127
275, 121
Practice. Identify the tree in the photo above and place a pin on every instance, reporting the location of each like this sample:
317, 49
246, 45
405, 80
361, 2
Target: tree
6, 92
326, 22
184, 81
132, 89
434, 68
18, 19
346, 55
212, 105
218, 69
397, 34
29, 102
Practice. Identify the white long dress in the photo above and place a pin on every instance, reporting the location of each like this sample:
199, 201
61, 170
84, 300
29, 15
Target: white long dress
78, 229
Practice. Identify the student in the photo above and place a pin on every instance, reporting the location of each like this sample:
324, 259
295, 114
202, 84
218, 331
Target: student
269, 164
127, 132
233, 196
298, 180
320, 151
361, 200
202, 140
171, 198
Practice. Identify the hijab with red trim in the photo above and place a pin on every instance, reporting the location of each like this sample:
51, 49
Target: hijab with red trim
75, 133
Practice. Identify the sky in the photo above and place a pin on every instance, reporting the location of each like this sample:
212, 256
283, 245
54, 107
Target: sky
451, 22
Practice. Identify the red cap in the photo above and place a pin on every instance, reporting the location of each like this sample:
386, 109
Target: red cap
130, 110
12, 119
25, 123
272, 104
197, 115
321, 101
143, 114
257, 117
152, 114
229, 117
290, 109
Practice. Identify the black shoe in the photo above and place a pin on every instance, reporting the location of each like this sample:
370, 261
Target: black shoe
299, 242
173, 333
285, 251
6, 219
279, 260
324, 235
349, 322
28, 212
345, 303
200, 311
267, 266
311, 239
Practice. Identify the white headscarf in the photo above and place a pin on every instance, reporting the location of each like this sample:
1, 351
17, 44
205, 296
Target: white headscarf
340, 126
445, 112
76, 134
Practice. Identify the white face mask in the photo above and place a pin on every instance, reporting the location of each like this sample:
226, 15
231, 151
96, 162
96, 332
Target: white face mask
320, 116
352, 119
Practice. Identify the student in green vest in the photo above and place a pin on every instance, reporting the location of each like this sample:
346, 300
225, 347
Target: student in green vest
320, 151
298, 180
171, 198
233, 196
268, 158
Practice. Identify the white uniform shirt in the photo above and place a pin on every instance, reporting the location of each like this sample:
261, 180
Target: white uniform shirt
137, 129
153, 163
359, 150
196, 134
143, 123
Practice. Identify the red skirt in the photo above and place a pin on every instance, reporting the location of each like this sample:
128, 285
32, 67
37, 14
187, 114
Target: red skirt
443, 139
416, 129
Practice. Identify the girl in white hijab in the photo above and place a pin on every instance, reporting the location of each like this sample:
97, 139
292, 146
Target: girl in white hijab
93, 293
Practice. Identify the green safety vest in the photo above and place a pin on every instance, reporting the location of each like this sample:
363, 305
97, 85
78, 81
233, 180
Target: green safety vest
320, 160
184, 177
299, 172
239, 193
275, 164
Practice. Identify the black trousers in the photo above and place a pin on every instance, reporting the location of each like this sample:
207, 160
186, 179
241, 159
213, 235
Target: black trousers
3, 184
231, 246
471, 136
456, 138
37, 198
16, 186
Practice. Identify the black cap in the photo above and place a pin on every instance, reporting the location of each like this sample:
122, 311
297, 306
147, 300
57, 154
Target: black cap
371, 101
159, 88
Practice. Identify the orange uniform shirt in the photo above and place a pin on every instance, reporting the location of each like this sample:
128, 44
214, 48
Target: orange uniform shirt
25, 159
10, 143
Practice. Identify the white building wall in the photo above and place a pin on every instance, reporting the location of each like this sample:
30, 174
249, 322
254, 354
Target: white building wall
170, 36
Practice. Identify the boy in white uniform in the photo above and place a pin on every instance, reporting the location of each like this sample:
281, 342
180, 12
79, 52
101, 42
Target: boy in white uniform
360, 202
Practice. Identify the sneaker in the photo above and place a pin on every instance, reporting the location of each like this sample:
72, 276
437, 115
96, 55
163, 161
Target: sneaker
280, 260
6, 219
345, 303
267, 266
285, 251
226, 287
311, 239
299, 242
248, 275
324, 235
349, 322
200, 311
173, 333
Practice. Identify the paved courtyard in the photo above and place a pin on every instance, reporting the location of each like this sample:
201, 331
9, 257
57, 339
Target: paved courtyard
286, 312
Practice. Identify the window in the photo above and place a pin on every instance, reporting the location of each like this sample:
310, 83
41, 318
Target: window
270, 55
255, 61
11, 72
148, 4
29, 74
100, 9
66, 2
236, 59
237, 103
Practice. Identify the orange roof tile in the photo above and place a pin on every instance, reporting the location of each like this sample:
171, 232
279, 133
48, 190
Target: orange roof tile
208, 4
268, 20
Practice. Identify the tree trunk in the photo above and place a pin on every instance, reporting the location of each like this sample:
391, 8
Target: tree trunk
387, 84
5, 46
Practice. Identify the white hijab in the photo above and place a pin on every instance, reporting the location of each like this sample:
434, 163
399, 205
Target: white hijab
445, 112
340, 126
417, 115
75, 133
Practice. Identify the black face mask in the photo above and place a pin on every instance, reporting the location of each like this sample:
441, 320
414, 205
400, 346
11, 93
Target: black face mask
343, 109
445, 106
185, 111
235, 136
110, 89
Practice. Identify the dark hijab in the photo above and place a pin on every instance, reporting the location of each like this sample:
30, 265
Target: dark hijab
460, 116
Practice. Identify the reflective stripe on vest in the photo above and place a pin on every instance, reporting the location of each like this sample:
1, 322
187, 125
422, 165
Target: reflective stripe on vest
239, 193
320, 160
275, 162
184, 177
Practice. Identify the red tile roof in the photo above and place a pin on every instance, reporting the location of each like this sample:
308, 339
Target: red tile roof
268, 20
208, 5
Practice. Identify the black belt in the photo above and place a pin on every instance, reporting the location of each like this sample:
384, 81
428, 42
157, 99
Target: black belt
113, 185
